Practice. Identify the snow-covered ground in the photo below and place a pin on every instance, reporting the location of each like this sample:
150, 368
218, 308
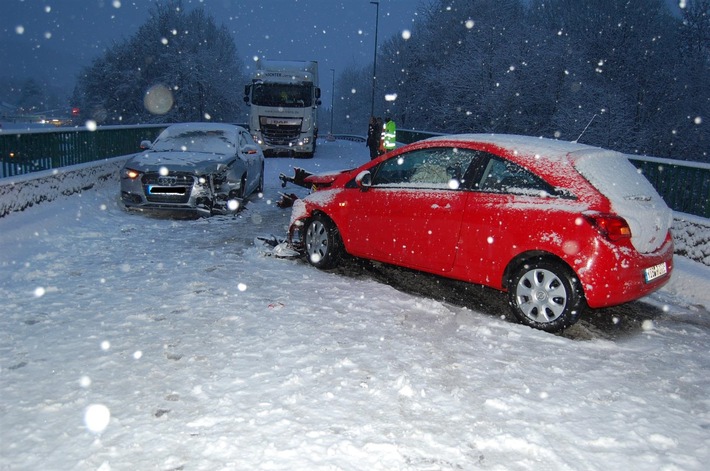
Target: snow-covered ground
130, 342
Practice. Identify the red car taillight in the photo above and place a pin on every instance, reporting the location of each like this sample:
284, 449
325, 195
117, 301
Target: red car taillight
613, 227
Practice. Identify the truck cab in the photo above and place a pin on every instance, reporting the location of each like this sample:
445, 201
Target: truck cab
283, 97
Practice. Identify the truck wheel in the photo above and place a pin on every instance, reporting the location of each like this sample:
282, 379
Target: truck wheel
323, 244
546, 295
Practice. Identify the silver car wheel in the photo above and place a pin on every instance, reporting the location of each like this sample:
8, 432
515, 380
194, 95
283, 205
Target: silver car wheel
541, 295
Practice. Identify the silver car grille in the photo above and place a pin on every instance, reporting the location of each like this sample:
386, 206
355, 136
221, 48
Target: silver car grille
173, 189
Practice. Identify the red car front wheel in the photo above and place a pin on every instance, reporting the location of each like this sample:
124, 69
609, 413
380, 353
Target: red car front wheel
323, 245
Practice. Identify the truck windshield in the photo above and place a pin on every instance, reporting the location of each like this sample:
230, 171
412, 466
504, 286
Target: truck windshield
280, 94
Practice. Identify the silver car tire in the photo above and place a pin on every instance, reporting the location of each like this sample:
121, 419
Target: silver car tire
546, 295
260, 188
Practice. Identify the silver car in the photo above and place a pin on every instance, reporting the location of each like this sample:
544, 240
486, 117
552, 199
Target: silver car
199, 168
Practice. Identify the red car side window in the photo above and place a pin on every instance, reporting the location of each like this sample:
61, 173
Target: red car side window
502, 176
434, 168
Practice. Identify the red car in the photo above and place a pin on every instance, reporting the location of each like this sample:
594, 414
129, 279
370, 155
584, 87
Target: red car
560, 226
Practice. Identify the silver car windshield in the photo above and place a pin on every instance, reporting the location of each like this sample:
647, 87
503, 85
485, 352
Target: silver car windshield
212, 141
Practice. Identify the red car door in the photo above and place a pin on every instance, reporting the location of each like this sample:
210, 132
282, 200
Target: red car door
411, 216
509, 209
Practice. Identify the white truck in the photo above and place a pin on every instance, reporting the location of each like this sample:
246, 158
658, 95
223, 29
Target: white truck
283, 97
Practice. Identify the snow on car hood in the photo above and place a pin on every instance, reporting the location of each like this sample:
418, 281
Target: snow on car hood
631, 194
192, 162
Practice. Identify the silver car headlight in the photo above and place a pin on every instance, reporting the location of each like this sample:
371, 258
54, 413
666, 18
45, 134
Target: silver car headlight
131, 174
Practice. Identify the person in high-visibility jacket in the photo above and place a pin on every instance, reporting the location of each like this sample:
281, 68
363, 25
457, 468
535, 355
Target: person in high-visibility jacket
389, 135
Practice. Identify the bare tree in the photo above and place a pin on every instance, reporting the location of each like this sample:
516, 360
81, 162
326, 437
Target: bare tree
696, 31
352, 100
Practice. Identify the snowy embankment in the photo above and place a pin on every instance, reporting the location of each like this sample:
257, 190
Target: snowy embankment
130, 342
24, 191
691, 235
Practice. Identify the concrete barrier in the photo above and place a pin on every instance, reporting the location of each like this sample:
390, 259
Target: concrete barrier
21, 192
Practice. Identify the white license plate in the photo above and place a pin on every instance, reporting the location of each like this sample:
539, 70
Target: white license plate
655, 272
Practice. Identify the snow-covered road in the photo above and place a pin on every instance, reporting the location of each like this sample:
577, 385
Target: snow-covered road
130, 342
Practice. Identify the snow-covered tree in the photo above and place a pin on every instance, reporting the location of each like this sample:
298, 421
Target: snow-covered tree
352, 100
179, 66
624, 74
696, 31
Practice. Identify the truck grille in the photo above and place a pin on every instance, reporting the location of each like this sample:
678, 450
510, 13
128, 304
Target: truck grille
281, 135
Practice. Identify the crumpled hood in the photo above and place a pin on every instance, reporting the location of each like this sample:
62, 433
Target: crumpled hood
199, 163
324, 179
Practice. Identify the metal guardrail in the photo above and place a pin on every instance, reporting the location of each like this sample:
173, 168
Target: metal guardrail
23, 152
685, 186
350, 137
407, 136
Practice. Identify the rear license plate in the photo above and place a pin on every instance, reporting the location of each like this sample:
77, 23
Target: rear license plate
655, 272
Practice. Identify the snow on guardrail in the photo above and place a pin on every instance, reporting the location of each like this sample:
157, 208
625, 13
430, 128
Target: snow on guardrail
21, 192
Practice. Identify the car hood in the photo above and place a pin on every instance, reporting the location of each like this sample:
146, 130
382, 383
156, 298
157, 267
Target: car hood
198, 163
325, 179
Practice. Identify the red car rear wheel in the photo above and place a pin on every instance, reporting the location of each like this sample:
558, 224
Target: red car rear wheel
546, 295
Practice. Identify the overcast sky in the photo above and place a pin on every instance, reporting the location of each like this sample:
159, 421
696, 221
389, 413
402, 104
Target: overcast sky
53, 39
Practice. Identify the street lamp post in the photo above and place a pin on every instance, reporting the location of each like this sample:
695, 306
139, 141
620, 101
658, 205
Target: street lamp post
332, 100
374, 62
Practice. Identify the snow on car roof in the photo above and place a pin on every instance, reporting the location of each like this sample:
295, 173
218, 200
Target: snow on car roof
546, 157
524, 145
204, 127
610, 172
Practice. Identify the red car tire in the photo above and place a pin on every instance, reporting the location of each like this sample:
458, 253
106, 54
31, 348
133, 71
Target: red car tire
324, 247
546, 295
